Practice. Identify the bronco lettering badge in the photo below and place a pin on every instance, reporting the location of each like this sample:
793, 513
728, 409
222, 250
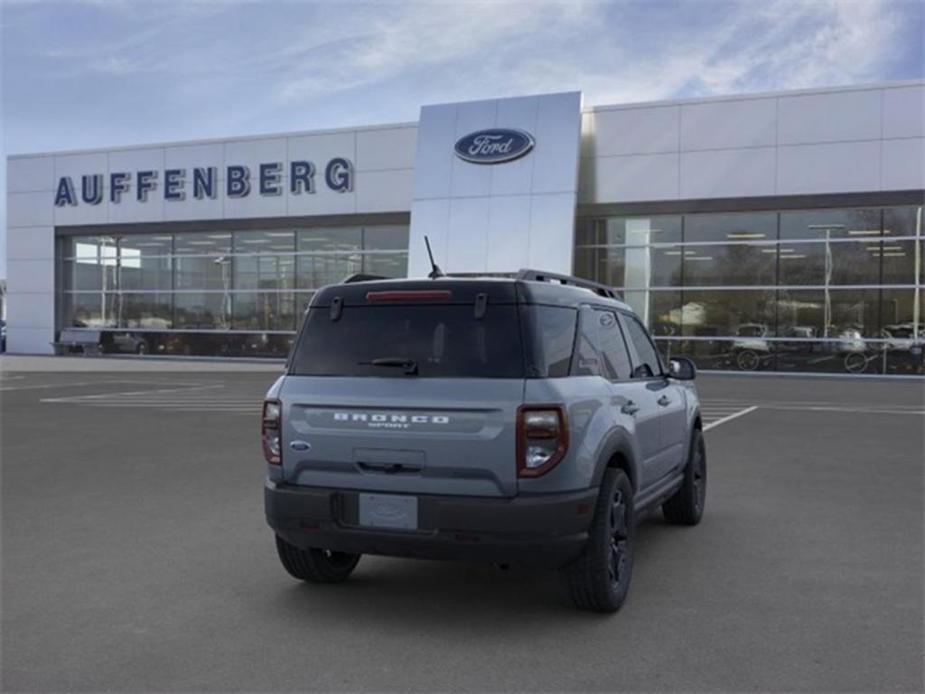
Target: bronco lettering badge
494, 146
389, 421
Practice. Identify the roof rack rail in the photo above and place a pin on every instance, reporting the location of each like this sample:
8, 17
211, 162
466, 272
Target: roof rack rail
568, 280
363, 277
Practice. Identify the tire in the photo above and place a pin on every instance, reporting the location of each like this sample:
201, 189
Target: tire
685, 507
855, 363
748, 360
599, 579
315, 565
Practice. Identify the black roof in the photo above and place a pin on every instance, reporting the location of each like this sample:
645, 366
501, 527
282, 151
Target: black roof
464, 290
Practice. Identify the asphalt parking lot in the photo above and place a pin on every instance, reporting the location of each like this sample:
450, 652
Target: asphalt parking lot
135, 556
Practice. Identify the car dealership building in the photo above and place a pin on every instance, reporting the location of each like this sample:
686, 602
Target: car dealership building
778, 231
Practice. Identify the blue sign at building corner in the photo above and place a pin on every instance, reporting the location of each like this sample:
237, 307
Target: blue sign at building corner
494, 146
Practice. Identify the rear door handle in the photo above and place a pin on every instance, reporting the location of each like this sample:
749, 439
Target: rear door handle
630, 408
664, 401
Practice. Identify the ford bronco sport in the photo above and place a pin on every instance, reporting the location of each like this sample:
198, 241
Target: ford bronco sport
525, 420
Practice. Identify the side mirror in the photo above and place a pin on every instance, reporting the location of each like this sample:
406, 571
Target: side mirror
682, 369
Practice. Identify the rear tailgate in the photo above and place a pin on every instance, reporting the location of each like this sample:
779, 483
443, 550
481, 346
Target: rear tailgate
406, 387
409, 435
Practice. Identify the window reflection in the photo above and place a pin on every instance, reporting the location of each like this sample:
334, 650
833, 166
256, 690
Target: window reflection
215, 280
839, 290
740, 226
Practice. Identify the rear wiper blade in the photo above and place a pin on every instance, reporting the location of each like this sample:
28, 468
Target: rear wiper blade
409, 365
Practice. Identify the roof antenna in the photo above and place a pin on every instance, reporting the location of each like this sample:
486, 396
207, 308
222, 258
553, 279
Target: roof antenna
435, 269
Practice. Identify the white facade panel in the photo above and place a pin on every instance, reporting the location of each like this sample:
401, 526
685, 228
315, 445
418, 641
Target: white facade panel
29, 209
323, 201
30, 243
30, 311
81, 213
77, 165
433, 169
384, 191
558, 136
188, 157
319, 150
904, 112
554, 122
728, 124
728, 173
515, 177
256, 205
637, 177
253, 153
903, 164
30, 174
467, 242
134, 160
508, 224
841, 167
386, 148
636, 130
829, 117
192, 209
29, 340
469, 180
432, 219
552, 231
32, 275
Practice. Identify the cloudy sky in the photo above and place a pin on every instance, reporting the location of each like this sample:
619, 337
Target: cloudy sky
89, 73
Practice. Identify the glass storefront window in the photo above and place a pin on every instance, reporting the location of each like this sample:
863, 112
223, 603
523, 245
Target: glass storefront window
738, 313
277, 241
198, 243
264, 272
90, 310
729, 265
210, 272
833, 262
131, 247
618, 231
830, 224
739, 226
202, 310
78, 275
146, 272
150, 311
330, 240
842, 314
633, 267
264, 311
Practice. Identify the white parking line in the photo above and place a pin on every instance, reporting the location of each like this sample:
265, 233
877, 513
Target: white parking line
83, 399
730, 417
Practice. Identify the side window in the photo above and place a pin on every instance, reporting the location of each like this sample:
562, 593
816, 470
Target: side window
587, 361
648, 357
614, 353
553, 337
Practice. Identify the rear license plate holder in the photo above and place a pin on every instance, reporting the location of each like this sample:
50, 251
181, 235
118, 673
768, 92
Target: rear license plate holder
390, 511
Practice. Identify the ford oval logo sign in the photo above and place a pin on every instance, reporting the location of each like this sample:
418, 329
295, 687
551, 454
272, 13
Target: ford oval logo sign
494, 146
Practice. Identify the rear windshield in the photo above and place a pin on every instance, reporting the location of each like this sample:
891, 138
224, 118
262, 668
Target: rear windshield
425, 341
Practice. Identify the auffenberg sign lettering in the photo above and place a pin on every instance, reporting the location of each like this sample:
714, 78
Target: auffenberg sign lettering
203, 182
494, 146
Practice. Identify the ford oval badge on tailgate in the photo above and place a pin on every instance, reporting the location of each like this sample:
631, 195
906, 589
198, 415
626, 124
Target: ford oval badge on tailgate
494, 146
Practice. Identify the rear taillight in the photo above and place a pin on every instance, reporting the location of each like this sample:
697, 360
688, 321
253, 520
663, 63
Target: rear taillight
542, 439
270, 430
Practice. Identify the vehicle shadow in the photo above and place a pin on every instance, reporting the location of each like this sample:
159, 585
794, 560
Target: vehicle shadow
414, 594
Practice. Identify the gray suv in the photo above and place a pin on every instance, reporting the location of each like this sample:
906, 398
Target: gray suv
525, 420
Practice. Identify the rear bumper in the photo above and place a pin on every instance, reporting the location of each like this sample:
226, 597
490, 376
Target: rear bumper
543, 530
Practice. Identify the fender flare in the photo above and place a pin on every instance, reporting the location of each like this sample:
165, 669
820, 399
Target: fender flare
617, 442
